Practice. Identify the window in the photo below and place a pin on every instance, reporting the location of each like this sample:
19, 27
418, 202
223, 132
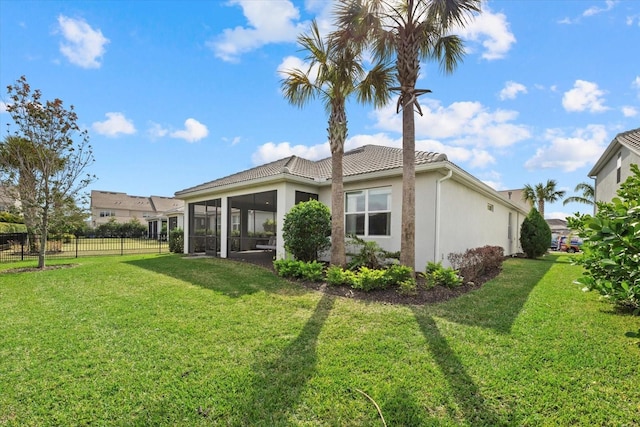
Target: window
490, 207
235, 222
368, 212
302, 196
618, 168
104, 214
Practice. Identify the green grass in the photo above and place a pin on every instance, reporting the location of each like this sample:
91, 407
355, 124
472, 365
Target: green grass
168, 340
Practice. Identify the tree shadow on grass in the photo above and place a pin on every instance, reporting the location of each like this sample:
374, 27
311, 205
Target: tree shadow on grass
232, 278
278, 383
469, 400
499, 302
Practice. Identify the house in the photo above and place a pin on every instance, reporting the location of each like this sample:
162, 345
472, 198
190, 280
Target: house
612, 168
517, 196
123, 207
558, 228
454, 210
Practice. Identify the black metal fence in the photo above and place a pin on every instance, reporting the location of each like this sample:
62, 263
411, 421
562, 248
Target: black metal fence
20, 246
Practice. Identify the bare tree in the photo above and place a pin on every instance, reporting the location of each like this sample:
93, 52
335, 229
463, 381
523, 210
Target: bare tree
41, 160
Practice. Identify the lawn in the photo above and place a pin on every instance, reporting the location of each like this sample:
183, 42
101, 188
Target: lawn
167, 340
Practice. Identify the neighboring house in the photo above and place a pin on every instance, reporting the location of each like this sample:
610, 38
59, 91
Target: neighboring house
558, 228
612, 168
169, 220
454, 210
110, 204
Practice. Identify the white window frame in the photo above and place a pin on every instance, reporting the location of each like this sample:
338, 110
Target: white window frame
367, 212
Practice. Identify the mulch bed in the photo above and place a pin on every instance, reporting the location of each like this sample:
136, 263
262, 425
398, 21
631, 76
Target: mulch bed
390, 296
30, 269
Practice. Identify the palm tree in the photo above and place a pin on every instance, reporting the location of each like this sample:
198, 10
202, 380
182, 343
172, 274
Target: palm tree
540, 194
588, 195
410, 31
335, 72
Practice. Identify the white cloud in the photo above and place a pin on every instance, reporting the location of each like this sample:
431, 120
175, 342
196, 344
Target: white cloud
492, 31
274, 151
629, 111
271, 151
267, 22
3, 107
234, 141
584, 96
592, 11
82, 45
636, 84
633, 18
461, 124
595, 10
511, 90
156, 131
568, 153
193, 131
115, 125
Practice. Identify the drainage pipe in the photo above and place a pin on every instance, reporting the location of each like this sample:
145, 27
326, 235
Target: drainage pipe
436, 246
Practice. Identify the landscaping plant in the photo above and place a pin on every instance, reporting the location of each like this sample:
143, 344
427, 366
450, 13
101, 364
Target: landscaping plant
535, 235
612, 246
176, 241
306, 230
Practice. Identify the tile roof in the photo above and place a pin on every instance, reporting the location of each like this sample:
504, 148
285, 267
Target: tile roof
362, 160
117, 200
631, 139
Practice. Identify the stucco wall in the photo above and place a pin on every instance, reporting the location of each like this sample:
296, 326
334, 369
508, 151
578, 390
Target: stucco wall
467, 222
606, 184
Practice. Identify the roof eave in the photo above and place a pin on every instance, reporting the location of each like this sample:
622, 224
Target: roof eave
272, 179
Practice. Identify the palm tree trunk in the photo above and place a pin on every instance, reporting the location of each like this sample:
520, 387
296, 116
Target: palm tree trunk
408, 237
338, 256
541, 207
337, 136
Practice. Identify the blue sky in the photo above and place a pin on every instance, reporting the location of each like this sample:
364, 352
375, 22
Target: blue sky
177, 93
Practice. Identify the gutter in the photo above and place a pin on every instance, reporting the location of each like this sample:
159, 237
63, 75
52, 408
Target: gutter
436, 246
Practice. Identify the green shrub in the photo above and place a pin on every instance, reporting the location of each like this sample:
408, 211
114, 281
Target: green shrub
287, 267
535, 235
368, 279
6, 227
11, 218
176, 241
611, 246
306, 230
338, 276
396, 274
408, 287
437, 275
368, 254
312, 271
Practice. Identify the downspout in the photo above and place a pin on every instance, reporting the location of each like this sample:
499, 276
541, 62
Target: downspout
436, 246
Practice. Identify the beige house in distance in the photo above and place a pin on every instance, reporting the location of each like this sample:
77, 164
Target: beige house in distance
123, 207
454, 210
612, 168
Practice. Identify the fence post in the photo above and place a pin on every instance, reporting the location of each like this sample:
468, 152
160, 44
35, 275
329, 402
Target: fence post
121, 245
